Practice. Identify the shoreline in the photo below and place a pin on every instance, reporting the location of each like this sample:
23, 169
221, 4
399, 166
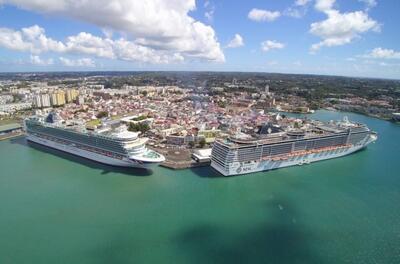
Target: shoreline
347, 111
184, 165
360, 113
11, 135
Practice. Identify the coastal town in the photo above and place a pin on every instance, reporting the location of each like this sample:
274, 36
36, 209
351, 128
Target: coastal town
181, 120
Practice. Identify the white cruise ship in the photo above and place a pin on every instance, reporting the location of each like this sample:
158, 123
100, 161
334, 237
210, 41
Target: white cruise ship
315, 141
117, 147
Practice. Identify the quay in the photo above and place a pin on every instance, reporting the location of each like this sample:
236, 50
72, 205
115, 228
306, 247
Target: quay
178, 159
10, 131
179, 165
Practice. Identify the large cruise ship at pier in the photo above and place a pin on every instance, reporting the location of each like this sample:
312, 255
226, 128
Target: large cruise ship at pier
112, 146
288, 146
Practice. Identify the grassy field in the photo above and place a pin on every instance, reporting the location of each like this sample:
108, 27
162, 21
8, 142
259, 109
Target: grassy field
93, 123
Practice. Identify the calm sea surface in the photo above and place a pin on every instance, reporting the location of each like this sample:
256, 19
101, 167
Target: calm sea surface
57, 208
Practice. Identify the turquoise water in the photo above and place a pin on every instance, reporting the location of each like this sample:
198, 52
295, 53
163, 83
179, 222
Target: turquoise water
56, 208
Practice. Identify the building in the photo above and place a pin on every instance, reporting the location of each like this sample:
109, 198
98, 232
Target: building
217, 89
202, 155
137, 119
266, 91
41, 101
45, 100
37, 103
71, 95
61, 97
11, 108
210, 134
53, 99
80, 100
96, 86
5, 99
169, 131
183, 140
10, 128
178, 140
396, 117
103, 95
58, 98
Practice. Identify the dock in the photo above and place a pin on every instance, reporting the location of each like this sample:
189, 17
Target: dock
9, 131
178, 159
180, 165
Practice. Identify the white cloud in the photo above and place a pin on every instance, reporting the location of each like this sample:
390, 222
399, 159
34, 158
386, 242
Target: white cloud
35, 41
369, 3
164, 25
209, 15
302, 2
82, 62
324, 5
36, 60
86, 43
108, 33
210, 10
271, 44
236, 42
293, 12
30, 39
131, 51
263, 15
298, 9
381, 53
340, 28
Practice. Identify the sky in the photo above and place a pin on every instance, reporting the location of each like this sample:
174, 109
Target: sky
331, 37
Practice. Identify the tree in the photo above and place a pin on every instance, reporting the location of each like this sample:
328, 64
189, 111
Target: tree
102, 114
139, 127
202, 143
191, 144
222, 104
139, 118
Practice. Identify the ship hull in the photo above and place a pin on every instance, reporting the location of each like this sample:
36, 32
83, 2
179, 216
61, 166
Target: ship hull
125, 162
239, 168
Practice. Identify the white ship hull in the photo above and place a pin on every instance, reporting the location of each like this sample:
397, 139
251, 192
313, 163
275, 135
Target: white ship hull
238, 168
125, 162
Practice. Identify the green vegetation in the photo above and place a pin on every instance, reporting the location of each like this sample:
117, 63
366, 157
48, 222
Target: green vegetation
102, 114
139, 127
191, 144
139, 118
222, 104
202, 143
93, 123
116, 117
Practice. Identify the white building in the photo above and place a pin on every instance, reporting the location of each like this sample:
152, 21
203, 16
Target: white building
202, 155
4, 99
45, 99
41, 100
80, 100
11, 108
37, 102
